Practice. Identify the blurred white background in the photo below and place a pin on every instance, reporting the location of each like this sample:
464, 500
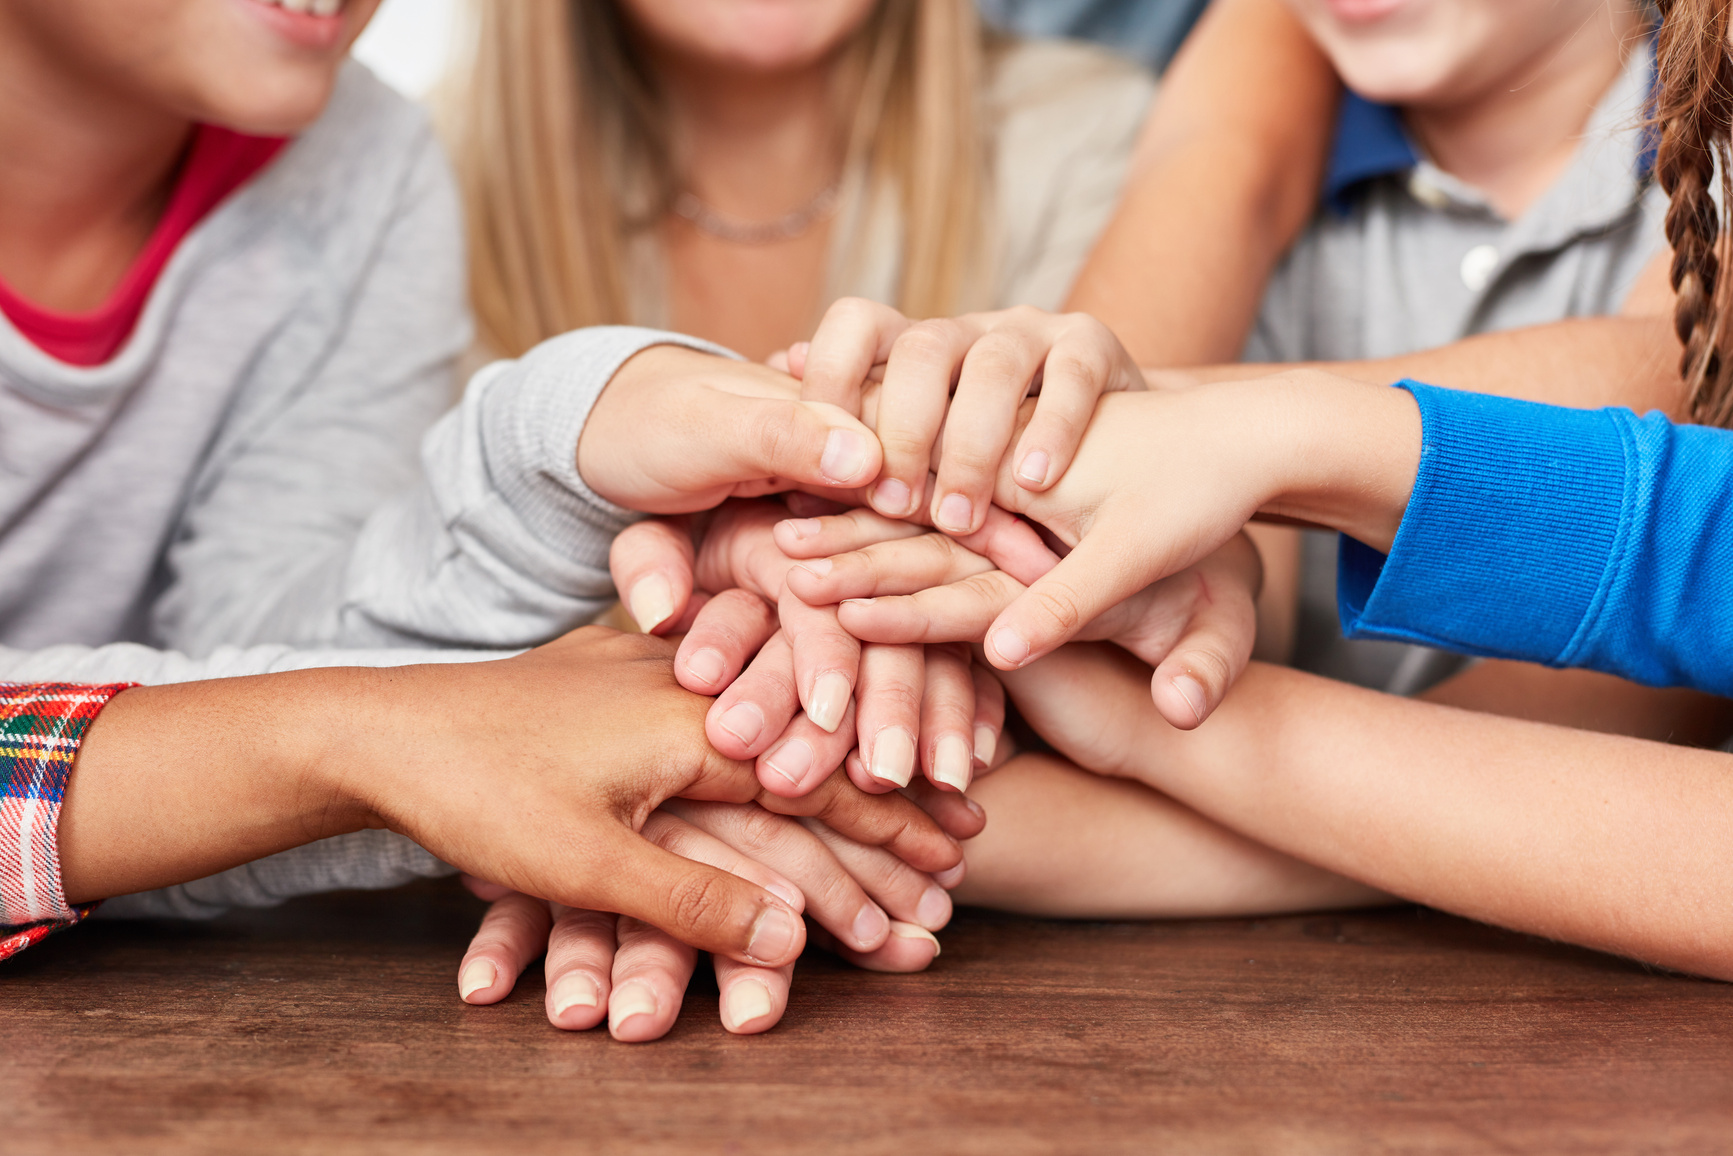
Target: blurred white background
408, 42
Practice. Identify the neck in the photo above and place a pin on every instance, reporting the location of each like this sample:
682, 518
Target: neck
1515, 136
752, 145
86, 172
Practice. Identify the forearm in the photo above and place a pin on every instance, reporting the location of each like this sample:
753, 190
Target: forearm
1225, 177
1588, 700
1063, 842
1611, 842
177, 782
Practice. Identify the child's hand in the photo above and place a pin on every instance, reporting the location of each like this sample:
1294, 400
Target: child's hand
907, 704
1163, 479
1196, 627
962, 379
635, 976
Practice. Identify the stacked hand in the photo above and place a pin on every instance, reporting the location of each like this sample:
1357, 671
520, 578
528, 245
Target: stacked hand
838, 630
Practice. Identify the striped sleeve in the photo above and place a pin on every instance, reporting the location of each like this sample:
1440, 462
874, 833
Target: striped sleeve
41, 727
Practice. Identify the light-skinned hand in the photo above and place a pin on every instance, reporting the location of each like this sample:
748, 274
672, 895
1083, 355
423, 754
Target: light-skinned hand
909, 705
599, 966
1196, 627
947, 395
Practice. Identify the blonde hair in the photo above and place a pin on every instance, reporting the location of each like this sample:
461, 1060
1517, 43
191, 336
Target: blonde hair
561, 144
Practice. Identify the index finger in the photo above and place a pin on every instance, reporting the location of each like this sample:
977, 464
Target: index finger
855, 335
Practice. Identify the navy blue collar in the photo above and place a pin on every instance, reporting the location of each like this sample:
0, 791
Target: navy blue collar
1370, 142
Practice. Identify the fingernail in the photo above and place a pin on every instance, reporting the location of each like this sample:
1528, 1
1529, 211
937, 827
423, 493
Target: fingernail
830, 693
870, 924
951, 876
1191, 690
706, 666
911, 931
572, 990
986, 743
477, 974
804, 528
845, 456
746, 1001
934, 910
956, 514
1034, 467
628, 1000
858, 601
891, 497
799, 349
1010, 646
742, 720
893, 756
974, 808
773, 936
791, 760
951, 762
651, 601
817, 567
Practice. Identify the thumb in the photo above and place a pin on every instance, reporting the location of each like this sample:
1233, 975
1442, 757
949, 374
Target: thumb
700, 905
804, 442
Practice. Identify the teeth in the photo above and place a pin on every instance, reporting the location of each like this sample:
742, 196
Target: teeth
311, 7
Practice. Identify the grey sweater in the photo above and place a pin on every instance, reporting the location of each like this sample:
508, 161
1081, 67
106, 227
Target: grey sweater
256, 465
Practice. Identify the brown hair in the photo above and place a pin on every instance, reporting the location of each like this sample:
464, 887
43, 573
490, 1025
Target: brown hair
1694, 110
561, 145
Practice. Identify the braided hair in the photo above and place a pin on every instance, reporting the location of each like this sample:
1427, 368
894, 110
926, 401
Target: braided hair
1694, 109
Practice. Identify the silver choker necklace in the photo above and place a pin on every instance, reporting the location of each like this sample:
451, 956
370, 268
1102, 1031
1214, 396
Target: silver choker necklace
784, 228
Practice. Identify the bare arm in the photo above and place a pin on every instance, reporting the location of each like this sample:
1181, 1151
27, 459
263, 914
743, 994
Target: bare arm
1225, 176
1610, 842
1068, 843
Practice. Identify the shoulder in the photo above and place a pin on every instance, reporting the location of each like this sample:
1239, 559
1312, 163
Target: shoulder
369, 156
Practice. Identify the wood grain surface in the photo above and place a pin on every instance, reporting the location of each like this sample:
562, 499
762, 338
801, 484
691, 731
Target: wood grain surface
333, 1025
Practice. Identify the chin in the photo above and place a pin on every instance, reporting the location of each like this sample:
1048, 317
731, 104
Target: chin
269, 105
1393, 74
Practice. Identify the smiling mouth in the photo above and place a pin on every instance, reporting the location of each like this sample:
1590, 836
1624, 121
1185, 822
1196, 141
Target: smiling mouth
317, 8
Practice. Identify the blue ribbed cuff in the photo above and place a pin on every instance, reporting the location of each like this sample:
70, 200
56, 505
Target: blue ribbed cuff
1508, 534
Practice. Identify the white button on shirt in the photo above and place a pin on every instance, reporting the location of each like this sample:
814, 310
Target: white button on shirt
1477, 266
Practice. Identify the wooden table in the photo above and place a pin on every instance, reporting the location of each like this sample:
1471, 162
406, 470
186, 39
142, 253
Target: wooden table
333, 1025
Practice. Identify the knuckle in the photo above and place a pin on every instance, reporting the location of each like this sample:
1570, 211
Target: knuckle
1059, 604
926, 341
697, 899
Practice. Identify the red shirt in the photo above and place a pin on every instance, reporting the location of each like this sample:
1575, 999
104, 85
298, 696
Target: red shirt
218, 162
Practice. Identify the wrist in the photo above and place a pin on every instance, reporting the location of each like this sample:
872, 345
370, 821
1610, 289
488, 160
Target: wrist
177, 782
1345, 454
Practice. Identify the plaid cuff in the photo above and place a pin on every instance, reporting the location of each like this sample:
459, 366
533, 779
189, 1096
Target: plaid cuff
41, 726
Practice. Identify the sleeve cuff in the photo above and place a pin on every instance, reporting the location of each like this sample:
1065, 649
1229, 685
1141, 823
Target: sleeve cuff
1509, 538
41, 728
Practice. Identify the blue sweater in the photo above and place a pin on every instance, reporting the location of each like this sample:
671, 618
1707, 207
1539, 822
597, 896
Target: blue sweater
1591, 538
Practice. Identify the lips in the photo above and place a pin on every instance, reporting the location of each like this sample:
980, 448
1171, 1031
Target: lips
305, 23
1362, 11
